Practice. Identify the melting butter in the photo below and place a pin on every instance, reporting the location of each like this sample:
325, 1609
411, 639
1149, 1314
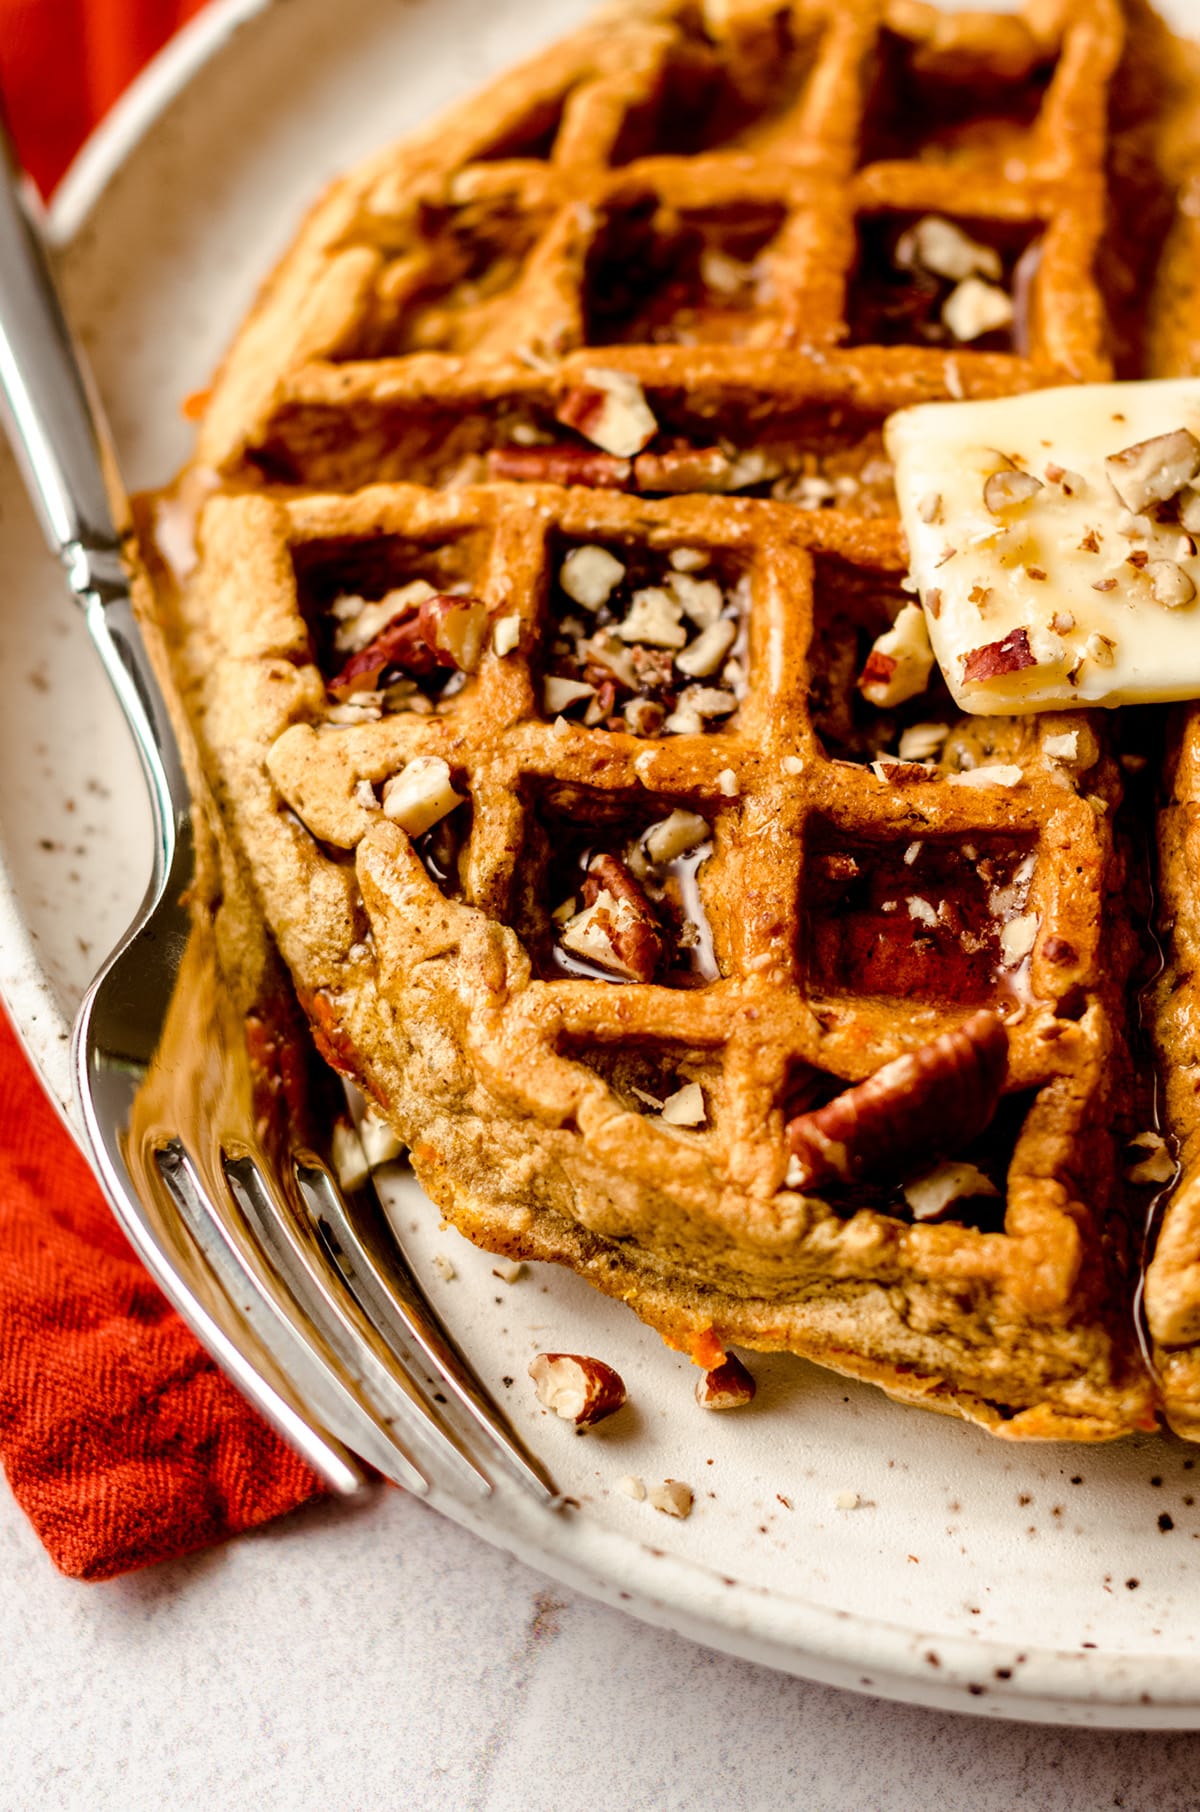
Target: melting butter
1042, 589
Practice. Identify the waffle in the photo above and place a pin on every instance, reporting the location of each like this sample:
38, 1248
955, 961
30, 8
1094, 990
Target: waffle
754, 167
704, 968
1172, 1281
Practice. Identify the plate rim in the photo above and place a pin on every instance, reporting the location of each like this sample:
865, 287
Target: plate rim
875, 1656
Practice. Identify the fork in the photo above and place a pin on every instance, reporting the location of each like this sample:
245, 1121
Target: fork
295, 1287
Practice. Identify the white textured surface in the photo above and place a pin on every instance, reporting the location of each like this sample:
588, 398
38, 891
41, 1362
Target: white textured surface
382, 1660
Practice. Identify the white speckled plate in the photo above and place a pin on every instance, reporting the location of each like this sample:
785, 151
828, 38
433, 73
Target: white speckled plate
1045, 1583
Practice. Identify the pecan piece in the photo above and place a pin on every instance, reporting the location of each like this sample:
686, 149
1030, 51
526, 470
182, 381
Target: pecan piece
1155, 470
903, 773
617, 929
925, 1105
560, 465
402, 645
976, 308
420, 795
1004, 490
455, 629
728, 1386
609, 873
995, 658
580, 1390
609, 408
710, 469
900, 661
1170, 584
629, 924
673, 1498
877, 669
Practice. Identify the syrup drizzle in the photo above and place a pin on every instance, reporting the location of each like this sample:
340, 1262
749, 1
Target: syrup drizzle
1140, 812
1145, 1058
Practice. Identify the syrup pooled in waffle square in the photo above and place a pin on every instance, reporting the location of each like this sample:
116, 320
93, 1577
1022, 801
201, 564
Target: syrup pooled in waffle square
610, 974
782, 221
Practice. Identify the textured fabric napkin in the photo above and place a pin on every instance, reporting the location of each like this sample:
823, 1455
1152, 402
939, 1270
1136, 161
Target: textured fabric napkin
121, 1440
64, 62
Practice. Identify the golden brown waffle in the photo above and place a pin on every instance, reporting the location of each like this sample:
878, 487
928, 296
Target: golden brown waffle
711, 201
1170, 1175
705, 197
1172, 1294
517, 1086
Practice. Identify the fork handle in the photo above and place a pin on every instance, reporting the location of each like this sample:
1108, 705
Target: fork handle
65, 454
56, 431
61, 442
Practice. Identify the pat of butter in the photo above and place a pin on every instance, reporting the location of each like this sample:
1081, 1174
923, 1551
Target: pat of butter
1057, 595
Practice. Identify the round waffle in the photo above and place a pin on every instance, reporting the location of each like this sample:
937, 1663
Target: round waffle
591, 858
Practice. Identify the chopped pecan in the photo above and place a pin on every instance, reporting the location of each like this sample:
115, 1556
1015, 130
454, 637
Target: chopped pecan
1004, 490
652, 667
923, 1106
1154, 470
455, 628
1170, 584
877, 669
610, 409
606, 696
935, 1194
728, 1386
995, 658
617, 929
560, 465
976, 308
420, 795
712, 469
579, 1389
590, 574
642, 717
900, 661
636, 935
904, 773
673, 1498
939, 245
402, 645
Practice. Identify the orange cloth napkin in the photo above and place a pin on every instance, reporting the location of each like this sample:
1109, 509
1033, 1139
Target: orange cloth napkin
121, 1440
64, 62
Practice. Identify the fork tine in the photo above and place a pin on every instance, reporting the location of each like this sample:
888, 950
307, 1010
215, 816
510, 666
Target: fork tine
240, 1349
374, 1265
293, 1248
239, 1269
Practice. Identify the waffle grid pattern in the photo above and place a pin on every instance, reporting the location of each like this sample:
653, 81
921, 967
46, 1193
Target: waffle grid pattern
381, 312
387, 346
749, 1033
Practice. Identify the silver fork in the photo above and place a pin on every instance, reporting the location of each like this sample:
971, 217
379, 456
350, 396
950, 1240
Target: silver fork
295, 1287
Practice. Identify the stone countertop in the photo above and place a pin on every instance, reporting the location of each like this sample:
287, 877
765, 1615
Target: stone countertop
378, 1657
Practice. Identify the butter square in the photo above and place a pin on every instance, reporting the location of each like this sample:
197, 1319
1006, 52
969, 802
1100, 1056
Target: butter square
1051, 598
